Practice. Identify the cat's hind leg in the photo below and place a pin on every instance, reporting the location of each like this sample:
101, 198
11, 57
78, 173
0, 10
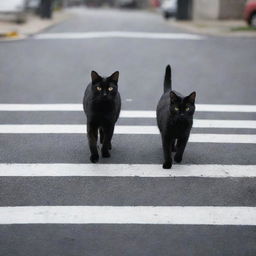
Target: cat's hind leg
108, 134
181, 145
92, 134
101, 136
167, 149
174, 149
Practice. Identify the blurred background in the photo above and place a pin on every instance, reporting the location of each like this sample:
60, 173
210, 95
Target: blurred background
179, 9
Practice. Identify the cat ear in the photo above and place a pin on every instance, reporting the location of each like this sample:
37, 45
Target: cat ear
191, 98
173, 96
114, 77
95, 76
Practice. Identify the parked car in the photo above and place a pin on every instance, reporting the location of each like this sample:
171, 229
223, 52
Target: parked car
33, 4
169, 8
17, 8
155, 3
127, 3
250, 13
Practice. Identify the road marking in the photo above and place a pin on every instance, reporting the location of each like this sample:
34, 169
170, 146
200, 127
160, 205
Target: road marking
225, 108
126, 170
209, 123
41, 107
124, 113
172, 215
118, 34
198, 123
124, 129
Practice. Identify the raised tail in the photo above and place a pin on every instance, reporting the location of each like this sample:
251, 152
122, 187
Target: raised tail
168, 79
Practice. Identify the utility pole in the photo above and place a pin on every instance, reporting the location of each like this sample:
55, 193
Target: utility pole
46, 9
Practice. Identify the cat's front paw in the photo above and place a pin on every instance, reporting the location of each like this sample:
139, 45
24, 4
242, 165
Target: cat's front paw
105, 153
167, 165
94, 158
178, 158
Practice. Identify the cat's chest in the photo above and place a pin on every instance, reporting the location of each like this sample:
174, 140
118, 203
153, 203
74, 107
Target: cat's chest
181, 128
103, 108
101, 113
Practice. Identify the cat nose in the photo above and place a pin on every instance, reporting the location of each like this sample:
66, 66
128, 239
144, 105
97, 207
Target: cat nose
104, 94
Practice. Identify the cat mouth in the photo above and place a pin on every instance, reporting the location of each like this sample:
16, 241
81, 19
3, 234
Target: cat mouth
182, 119
105, 98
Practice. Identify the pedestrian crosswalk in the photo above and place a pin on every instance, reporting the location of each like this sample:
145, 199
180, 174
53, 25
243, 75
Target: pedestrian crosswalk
13, 212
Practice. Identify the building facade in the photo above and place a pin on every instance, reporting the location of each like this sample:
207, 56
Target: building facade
218, 9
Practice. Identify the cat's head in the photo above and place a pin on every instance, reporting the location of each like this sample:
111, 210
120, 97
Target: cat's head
104, 88
182, 108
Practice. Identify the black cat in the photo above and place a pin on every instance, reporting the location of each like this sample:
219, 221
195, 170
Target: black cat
102, 104
175, 119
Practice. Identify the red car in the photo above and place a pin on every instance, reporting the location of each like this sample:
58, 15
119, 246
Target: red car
250, 12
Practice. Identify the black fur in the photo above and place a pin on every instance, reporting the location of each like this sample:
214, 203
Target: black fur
102, 105
175, 119
168, 79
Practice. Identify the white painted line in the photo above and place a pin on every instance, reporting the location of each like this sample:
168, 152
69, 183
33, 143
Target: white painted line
41, 107
126, 170
118, 34
125, 129
137, 114
198, 123
130, 129
170, 215
125, 113
209, 123
223, 138
225, 108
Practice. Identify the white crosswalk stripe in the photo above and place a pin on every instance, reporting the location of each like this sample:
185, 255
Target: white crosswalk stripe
119, 34
126, 170
185, 215
126, 113
198, 123
129, 129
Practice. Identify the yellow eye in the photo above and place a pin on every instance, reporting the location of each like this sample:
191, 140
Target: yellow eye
176, 109
110, 89
187, 109
98, 88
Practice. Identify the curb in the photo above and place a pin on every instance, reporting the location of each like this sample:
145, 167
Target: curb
212, 31
15, 35
12, 34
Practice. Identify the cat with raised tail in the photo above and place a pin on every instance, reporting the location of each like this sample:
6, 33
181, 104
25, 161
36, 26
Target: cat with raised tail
102, 105
174, 119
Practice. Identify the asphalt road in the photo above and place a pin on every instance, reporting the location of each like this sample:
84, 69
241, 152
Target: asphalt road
56, 71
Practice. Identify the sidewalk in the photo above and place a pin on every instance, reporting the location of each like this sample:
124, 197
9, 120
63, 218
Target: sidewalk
237, 28
9, 30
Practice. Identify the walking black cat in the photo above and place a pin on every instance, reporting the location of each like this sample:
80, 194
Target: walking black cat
175, 119
102, 105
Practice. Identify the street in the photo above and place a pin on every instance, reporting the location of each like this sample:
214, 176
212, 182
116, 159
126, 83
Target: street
127, 204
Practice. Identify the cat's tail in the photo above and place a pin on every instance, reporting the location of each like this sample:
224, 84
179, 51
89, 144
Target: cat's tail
168, 79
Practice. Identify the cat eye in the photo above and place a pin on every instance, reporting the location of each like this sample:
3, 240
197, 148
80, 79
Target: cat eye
98, 88
176, 109
110, 89
187, 109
